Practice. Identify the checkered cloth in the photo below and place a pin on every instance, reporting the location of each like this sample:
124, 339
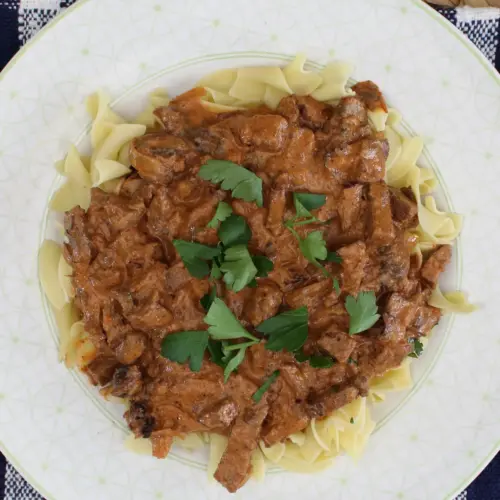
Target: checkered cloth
21, 19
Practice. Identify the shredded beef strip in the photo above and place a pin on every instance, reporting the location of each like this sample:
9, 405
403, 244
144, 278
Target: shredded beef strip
132, 288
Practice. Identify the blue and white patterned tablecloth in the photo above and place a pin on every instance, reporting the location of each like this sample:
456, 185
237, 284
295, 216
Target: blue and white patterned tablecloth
21, 19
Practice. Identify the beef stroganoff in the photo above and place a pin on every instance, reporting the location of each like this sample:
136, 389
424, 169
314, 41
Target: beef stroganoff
250, 265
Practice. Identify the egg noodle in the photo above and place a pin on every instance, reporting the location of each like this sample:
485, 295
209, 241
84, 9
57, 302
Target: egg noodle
348, 428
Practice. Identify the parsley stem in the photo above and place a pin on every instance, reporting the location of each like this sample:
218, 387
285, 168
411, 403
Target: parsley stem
235, 347
312, 220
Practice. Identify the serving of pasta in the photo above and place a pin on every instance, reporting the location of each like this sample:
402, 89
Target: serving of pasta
250, 266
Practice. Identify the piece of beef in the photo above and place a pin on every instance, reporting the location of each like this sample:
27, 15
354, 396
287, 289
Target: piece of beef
162, 441
399, 314
139, 419
277, 205
78, 251
160, 157
219, 415
348, 124
338, 344
354, 259
101, 369
376, 356
404, 209
394, 263
309, 295
262, 132
371, 95
351, 206
324, 404
234, 468
426, 318
304, 111
149, 315
362, 161
126, 382
263, 303
381, 226
436, 264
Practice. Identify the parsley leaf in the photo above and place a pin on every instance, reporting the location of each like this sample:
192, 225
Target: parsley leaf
234, 362
321, 361
208, 298
333, 257
316, 361
194, 255
352, 361
351, 420
305, 202
238, 268
243, 183
286, 331
336, 286
263, 264
257, 396
314, 247
182, 346
234, 231
362, 312
216, 354
223, 323
301, 356
418, 348
215, 272
222, 212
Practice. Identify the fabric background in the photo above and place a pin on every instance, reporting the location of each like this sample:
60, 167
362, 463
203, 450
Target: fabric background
21, 19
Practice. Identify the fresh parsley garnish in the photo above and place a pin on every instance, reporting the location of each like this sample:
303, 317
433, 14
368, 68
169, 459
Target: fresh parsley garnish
351, 420
362, 311
352, 361
336, 286
418, 348
195, 256
257, 396
234, 362
286, 331
208, 298
333, 257
321, 361
313, 247
243, 183
301, 356
305, 202
215, 272
238, 268
234, 231
223, 323
182, 346
216, 354
316, 361
263, 264
223, 326
222, 212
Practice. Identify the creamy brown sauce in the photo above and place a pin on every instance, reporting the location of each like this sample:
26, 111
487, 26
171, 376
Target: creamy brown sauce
132, 288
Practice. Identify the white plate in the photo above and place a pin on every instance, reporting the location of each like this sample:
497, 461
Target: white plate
430, 443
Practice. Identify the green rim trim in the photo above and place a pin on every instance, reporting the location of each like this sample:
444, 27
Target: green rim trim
475, 52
